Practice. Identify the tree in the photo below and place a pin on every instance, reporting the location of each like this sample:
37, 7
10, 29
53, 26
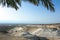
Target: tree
14, 3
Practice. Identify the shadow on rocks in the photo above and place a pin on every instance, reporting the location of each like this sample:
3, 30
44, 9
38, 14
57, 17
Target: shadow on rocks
33, 37
4, 32
40, 38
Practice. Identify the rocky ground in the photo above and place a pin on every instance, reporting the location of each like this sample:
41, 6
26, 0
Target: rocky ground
30, 33
26, 37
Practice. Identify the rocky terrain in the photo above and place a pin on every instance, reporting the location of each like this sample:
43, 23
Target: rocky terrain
22, 32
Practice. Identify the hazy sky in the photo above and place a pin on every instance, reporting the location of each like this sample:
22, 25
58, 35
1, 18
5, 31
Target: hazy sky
28, 13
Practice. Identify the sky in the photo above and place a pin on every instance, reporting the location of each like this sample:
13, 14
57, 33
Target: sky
30, 14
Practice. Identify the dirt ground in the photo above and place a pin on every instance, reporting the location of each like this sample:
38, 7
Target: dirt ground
7, 37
